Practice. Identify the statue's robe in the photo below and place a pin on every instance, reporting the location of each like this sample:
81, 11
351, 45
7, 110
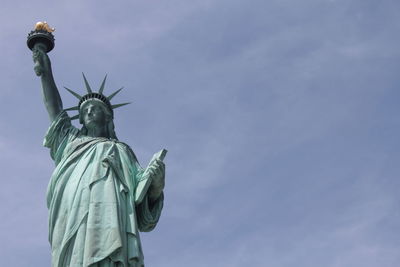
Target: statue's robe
93, 218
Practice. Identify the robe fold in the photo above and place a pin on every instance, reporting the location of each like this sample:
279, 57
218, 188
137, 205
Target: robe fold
93, 218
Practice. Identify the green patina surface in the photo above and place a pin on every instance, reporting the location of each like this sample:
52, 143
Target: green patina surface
99, 197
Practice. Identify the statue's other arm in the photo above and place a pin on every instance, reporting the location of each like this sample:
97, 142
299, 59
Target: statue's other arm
51, 96
157, 171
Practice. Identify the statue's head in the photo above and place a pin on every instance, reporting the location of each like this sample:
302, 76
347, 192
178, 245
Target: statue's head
95, 109
95, 114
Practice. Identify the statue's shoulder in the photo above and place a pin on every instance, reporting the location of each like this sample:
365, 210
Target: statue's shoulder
120, 144
125, 148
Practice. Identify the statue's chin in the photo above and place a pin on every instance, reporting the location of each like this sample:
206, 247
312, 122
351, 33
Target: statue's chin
94, 129
92, 124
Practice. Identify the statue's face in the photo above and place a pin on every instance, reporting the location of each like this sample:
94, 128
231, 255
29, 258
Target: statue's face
94, 115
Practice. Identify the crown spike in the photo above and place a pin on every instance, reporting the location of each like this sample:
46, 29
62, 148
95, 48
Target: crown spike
73, 93
75, 117
102, 85
89, 90
119, 105
72, 108
94, 95
113, 94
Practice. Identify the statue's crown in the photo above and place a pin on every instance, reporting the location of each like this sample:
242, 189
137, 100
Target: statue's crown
94, 96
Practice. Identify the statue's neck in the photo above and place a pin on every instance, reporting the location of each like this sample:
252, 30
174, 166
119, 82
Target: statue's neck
98, 132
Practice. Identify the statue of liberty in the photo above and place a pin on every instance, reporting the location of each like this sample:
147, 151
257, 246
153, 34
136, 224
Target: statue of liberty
98, 197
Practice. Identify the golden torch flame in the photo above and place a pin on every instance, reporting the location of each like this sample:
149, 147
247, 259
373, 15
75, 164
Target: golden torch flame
43, 26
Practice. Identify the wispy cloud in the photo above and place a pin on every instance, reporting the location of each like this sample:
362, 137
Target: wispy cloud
279, 117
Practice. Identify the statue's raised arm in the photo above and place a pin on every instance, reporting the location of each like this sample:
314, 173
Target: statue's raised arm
51, 96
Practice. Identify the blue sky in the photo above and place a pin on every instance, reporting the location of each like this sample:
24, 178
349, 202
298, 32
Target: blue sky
281, 119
